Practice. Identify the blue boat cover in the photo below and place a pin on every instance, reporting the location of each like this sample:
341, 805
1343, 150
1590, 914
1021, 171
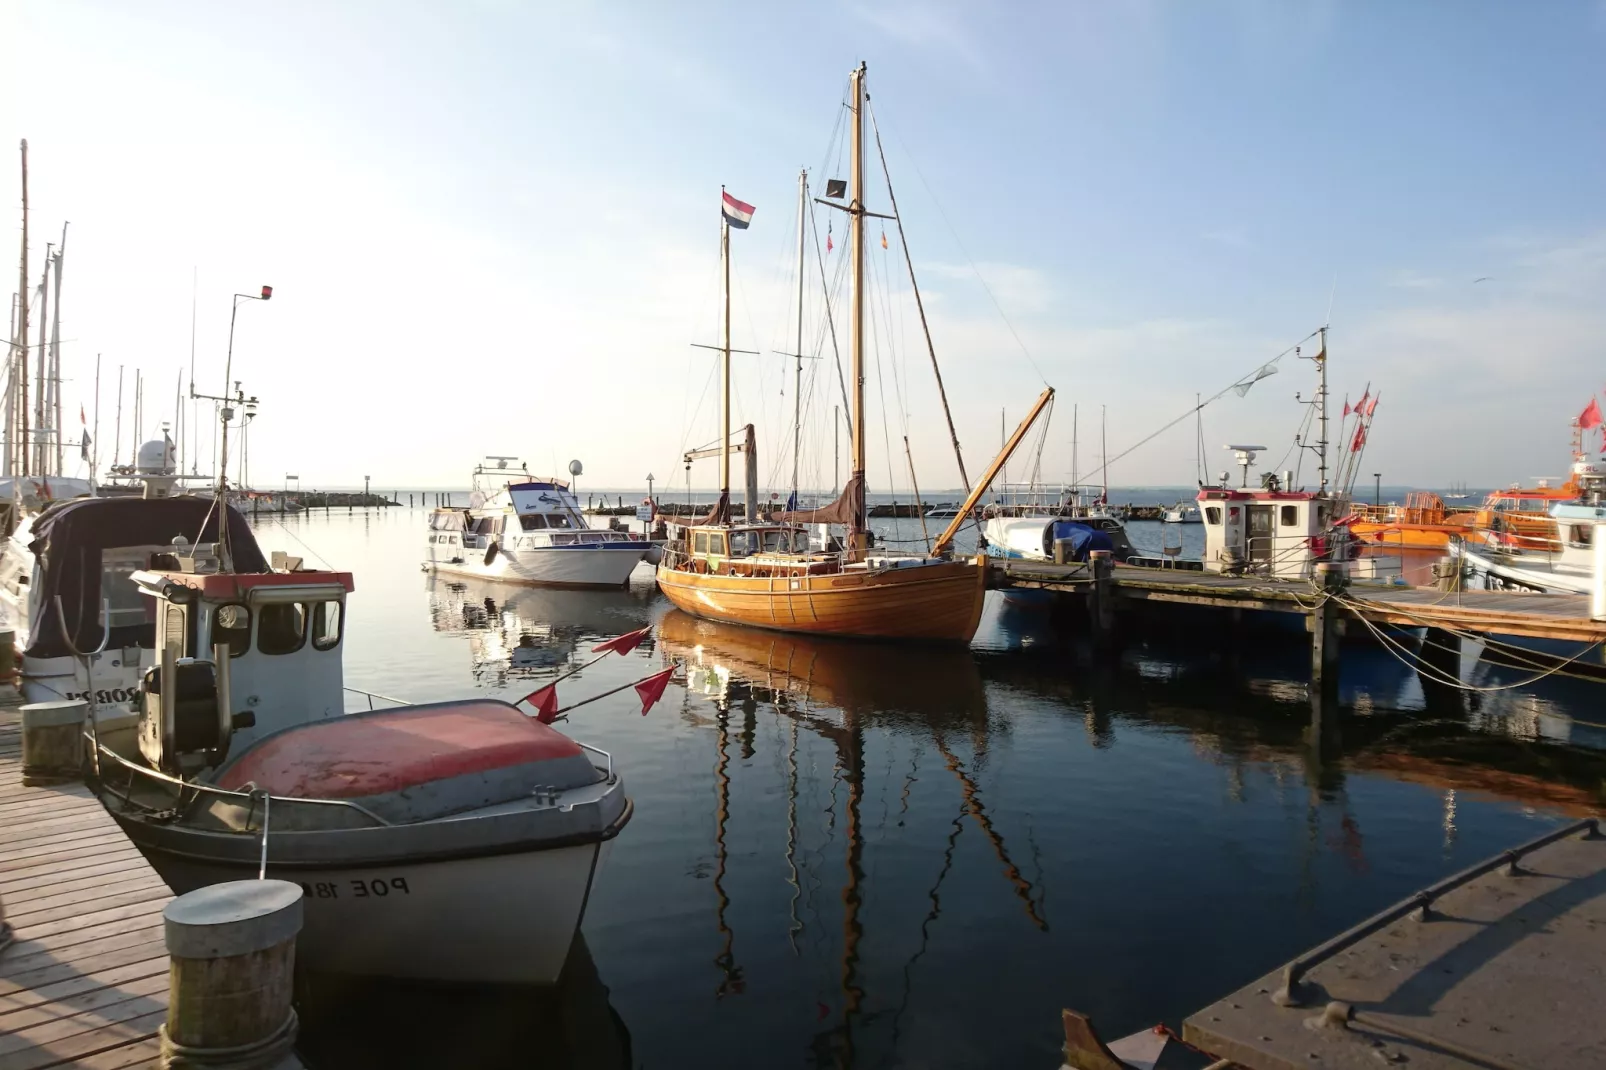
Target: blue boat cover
1083, 539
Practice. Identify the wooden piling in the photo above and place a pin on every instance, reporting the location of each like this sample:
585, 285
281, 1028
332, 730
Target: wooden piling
1101, 596
1062, 551
232, 950
1448, 573
1331, 578
53, 741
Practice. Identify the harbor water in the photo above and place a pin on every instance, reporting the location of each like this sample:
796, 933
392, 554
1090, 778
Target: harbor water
849, 854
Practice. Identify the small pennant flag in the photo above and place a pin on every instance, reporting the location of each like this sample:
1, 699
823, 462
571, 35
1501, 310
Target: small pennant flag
1590, 417
1360, 406
652, 689
737, 213
1370, 409
829, 245
1359, 440
623, 644
883, 239
545, 702
1347, 409
1260, 373
83, 448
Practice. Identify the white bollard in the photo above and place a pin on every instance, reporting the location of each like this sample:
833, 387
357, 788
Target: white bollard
1597, 581
232, 948
53, 741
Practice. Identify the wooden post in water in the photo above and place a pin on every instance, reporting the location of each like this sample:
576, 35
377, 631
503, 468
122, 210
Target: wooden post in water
1440, 669
52, 741
1101, 597
1331, 578
1448, 572
232, 948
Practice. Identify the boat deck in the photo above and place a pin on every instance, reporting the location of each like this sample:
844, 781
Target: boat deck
85, 983
1509, 972
1549, 616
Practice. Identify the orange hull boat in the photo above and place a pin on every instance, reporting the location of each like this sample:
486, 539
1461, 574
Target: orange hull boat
940, 600
1422, 523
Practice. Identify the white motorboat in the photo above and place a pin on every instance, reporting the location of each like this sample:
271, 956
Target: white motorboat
1183, 513
1027, 519
527, 530
453, 841
1570, 567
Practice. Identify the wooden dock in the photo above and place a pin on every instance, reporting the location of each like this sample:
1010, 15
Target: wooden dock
1547, 616
85, 983
1504, 973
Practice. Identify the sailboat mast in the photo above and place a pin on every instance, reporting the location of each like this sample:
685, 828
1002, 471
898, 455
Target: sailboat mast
19, 378
41, 449
1104, 452
725, 369
797, 373
857, 532
117, 435
1076, 484
1321, 408
55, 354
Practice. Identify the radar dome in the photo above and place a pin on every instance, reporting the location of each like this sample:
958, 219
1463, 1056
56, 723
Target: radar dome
156, 458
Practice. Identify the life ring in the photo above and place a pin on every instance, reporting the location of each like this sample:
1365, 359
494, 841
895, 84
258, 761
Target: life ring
490, 554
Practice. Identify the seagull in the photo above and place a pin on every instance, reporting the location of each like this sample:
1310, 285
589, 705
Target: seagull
1482, 278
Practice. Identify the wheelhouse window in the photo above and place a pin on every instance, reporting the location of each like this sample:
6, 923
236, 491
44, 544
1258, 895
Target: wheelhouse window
326, 625
231, 627
1212, 514
777, 542
282, 629
741, 543
560, 520
533, 522
1290, 516
127, 604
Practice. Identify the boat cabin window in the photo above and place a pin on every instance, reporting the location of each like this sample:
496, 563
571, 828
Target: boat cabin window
532, 521
282, 629
174, 629
1579, 534
1290, 517
742, 543
326, 625
231, 626
1212, 514
127, 603
777, 542
488, 525
708, 542
559, 520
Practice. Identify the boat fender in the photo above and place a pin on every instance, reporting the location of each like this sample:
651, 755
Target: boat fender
490, 553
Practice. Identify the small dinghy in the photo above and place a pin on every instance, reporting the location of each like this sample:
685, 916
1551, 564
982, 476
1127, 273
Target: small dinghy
453, 841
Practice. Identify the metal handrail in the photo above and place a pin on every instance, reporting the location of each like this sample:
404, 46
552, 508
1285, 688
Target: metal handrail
250, 796
371, 695
1289, 994
599, 750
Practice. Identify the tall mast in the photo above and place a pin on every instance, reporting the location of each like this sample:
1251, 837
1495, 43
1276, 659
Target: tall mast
117, 435
55, 354
857, 531
18, 406
194, 459
725, 370
1104, 453
1321, 409
94, 439
1076, 485
797, 374
40, 448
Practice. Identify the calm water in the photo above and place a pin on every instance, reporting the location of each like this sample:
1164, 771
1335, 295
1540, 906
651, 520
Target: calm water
872, 856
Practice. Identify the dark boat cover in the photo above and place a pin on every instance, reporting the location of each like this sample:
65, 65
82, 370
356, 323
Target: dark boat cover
415, 763
69, 537
1083, 539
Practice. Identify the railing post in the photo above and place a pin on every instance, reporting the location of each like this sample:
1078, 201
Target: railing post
232, 948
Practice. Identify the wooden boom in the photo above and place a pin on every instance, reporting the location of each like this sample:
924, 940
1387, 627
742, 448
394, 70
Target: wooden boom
945, 540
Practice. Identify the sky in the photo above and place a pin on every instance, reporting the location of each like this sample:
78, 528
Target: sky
492, 228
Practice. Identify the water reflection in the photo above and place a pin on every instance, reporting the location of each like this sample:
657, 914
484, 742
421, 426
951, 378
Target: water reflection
520, 633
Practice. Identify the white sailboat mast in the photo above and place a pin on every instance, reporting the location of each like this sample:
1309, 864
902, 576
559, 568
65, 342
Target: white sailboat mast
17, 398
39, 448
55, 355
797, 374
857, 531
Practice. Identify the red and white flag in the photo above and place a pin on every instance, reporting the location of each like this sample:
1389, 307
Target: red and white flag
737, 213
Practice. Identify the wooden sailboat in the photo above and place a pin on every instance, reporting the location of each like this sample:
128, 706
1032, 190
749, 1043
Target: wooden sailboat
777, 572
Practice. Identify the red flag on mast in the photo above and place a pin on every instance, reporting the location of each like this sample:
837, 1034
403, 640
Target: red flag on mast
1373, 406
623, 644
652, 689
545, 702
1347, 409
1590, 417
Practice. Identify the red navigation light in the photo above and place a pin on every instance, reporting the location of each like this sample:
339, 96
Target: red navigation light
267, 292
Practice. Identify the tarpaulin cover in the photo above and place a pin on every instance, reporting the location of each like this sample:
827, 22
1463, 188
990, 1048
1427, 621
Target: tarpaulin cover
69, 538
1084, 539
845, 510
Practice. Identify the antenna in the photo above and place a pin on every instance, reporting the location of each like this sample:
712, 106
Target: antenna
1245, 456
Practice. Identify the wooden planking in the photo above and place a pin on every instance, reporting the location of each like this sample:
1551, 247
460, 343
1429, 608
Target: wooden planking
85, 984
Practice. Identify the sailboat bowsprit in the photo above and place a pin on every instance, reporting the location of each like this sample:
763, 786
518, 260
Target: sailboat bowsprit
789, 571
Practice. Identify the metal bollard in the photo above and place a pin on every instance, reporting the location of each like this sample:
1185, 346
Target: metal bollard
232, 948
52, 741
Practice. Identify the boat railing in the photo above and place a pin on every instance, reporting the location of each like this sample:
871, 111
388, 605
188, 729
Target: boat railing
372, 695
608, 769
242, 798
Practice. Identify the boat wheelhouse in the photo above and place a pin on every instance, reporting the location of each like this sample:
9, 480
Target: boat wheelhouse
527, 530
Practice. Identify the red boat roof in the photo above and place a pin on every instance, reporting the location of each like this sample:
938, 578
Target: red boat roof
387, 751
1240, 494
219, 586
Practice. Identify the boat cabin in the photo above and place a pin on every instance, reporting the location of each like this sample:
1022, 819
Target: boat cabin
239, 656
754, 550
523, 515
1269, 532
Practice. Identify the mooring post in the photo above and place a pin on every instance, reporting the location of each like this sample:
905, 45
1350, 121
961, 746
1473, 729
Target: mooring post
1440, 668
1062, 551
53, 741
1331, 578
1101, 597
1448, 572
232, 948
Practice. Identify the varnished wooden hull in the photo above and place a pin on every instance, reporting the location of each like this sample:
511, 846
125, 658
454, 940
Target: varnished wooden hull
939, 602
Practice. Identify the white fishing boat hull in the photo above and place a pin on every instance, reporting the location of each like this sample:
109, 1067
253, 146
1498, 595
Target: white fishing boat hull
499, 919
607, 565
1534, 572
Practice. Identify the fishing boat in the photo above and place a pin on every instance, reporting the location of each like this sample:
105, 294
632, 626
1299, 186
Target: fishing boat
1569, 567
1518, 518
519, 529
790, 570
1183, 513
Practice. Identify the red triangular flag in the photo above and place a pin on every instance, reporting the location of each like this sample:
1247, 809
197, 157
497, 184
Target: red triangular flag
545, 702
1347, 409
1359, 440
828, 245
1590, 417
652, 689
1370, 409
1361, 404
623, 644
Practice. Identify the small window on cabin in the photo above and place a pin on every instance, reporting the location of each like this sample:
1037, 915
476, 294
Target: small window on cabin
741, 543
1290, 516
173, 630
699, 542
776, 542
1580, 534
326, 625
532, 522
559, 520
1212, 514
282, 628
231, 627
